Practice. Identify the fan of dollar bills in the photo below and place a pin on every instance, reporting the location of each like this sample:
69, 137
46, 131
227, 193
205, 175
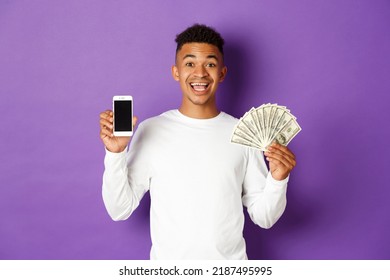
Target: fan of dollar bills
259, 127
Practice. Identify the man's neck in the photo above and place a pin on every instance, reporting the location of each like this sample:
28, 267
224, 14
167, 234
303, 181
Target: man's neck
199, 112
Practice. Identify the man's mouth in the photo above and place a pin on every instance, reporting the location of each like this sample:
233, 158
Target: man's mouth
199, 86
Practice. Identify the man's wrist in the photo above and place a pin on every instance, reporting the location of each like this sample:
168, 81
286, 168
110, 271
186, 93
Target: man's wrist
116, 152
277, 182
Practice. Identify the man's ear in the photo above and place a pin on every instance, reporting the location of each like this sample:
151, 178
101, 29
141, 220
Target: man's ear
175, 73
223, 73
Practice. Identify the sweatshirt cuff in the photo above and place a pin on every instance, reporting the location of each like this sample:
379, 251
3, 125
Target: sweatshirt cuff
115, 161
112, 155
276, 185
115, 154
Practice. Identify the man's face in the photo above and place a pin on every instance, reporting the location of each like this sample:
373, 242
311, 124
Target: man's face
199, 69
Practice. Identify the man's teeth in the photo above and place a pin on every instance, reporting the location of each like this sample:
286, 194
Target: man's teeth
199, 86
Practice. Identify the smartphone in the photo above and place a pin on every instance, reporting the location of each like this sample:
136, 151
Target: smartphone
123, 115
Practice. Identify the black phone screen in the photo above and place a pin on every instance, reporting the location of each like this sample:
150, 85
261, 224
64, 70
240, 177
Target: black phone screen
123, 115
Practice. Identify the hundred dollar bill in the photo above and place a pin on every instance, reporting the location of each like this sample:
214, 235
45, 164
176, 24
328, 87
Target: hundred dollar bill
260, 118
266, 114
281, 120
288, 132
251, 124
264, 124
239, 140
277, 114
259, 129
244, 127
241, 131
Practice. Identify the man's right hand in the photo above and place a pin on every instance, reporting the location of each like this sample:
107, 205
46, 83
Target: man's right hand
114, 144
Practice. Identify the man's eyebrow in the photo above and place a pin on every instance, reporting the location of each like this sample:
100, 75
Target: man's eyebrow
194, 56
189, 55
213, 56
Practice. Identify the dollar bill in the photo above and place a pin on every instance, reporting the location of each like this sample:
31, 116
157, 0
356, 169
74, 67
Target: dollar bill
260, 126
288, 132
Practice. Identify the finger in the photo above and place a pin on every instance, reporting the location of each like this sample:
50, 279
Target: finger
104, 132
282, 148
281, 159
105, 123
105, 119
290, 163
135, 119
107, 130
280, 153
275, 151
106, 115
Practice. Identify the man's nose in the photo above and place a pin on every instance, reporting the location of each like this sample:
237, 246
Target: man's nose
200, 71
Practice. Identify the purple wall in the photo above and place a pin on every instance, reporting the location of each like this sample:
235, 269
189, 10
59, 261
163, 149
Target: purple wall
62, 61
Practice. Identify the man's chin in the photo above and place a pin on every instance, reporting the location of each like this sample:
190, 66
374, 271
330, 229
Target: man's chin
200, 99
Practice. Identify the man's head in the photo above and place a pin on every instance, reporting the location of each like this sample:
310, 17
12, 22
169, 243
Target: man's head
199, 67
199, 33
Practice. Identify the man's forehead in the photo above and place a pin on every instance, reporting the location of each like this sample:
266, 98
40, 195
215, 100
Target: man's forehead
199, 50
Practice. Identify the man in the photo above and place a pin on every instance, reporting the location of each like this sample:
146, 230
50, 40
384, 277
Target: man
198, 180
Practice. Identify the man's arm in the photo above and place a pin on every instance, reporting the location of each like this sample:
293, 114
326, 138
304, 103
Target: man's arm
263, 194
120, 196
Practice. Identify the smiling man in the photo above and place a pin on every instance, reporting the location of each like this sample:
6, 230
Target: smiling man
198, 181
199, 69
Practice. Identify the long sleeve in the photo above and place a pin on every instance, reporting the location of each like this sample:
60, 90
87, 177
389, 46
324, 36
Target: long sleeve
124, 182
264, 197
198, 183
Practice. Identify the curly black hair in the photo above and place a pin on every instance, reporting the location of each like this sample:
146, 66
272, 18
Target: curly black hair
200, 33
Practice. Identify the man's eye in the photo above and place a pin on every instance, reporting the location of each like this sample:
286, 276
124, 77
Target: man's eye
211, 65
189, 64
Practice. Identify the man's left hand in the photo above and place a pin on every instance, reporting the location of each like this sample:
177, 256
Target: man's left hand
281, 161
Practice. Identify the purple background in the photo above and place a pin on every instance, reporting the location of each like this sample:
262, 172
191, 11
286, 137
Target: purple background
62, 61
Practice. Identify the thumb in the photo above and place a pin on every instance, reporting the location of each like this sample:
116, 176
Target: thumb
135, 119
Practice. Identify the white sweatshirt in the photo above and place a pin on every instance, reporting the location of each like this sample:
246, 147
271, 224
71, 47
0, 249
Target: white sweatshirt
198, 183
